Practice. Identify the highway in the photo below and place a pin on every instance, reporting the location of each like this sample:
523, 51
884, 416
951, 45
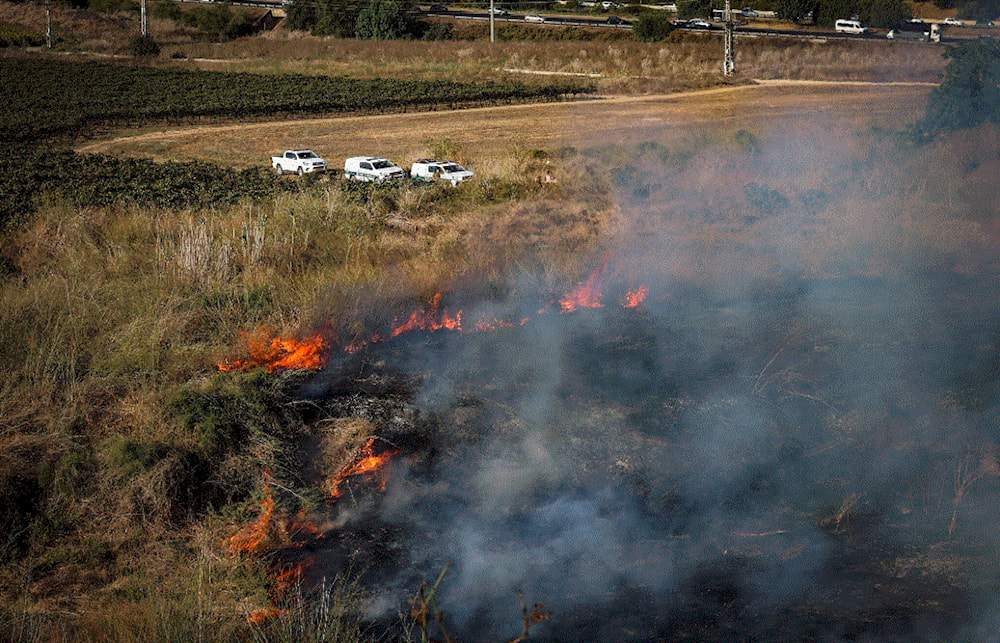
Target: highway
557, 20
612, 22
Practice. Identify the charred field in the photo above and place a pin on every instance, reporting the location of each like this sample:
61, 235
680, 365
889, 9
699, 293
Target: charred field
701, 467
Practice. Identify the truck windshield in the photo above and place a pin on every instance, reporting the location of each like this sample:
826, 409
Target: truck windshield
453, 167
379, 165
306, 155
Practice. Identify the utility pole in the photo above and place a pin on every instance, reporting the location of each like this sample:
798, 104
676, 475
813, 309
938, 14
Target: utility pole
48, 23
729, 61
493, 34
143, 20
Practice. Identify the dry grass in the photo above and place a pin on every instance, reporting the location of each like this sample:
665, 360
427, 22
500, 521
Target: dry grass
689, 61
107, 311
618, 65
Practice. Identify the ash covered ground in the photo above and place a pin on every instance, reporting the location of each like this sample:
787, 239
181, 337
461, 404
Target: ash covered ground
806, 460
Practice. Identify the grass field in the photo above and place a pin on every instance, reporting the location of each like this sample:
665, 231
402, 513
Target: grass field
798, 385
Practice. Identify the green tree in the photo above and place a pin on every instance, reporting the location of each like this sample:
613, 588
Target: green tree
323, 17
980, 10
970, 92
694, 8
873, 13
300, 16
335, 19
220, 20
885, 14
652, 25
796, 10
143, 46
385, 21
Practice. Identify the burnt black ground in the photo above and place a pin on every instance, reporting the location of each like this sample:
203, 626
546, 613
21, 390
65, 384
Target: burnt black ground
780, 465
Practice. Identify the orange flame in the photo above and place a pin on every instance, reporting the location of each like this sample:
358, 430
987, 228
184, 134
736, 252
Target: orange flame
635, 297
277, 353
287, 579
252, 538
586, 295
261, 616
358, 344
484, 325
281, 353
430, 319
366, 462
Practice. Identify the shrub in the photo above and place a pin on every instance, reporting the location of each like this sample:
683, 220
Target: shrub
652, 26
128, 457
18, 36
492, 189
220, 20
438, 31
224, 411
20, 501
386, 20
143, 46
795, 10
113, 6
970, 92
765, 200
747, 142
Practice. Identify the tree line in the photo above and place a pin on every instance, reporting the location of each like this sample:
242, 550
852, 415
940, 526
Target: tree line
385, 20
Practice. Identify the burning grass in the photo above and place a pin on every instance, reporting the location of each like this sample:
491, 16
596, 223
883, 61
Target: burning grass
715, 389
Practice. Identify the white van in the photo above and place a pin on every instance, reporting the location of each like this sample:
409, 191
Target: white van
849, 26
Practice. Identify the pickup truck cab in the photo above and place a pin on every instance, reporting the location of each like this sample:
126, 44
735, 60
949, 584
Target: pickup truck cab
372, 168
298, 161
430, 170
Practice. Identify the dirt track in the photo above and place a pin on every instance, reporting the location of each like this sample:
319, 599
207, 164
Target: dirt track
488, 132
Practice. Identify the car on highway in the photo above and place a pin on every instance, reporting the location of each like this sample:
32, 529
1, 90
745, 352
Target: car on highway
851, 26
749, 13
608, 4
615, 20
698, 23
439, 8
499, 11
954, 22
534, 17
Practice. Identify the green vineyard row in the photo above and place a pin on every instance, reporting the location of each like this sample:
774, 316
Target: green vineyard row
95, 180
47, 98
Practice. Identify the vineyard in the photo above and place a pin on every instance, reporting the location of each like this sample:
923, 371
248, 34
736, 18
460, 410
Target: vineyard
94, 180
18, 36
53, 98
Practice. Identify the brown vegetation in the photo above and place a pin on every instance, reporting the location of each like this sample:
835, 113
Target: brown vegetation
132, 464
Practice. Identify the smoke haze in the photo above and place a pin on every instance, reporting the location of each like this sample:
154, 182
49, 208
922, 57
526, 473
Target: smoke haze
792, 438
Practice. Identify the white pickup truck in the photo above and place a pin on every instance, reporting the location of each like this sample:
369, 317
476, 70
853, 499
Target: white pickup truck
372, 168
430, 170
298, 161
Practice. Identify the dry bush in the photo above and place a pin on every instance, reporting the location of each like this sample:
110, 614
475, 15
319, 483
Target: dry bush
617, 65
838, 60
341, 440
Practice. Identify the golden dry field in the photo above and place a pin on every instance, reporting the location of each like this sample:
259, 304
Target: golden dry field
488, 134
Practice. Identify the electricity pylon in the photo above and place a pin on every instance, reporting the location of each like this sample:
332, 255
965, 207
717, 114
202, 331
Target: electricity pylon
729, 62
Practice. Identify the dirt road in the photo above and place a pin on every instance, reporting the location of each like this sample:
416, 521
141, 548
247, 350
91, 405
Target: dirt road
490, 132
